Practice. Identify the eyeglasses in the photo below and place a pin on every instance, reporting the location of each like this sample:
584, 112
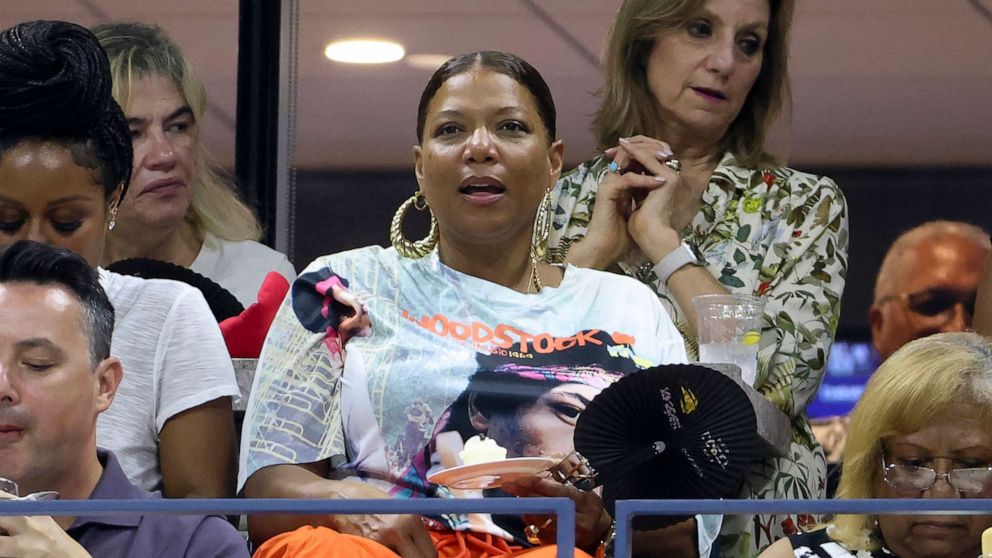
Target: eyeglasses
935, 301
913, 480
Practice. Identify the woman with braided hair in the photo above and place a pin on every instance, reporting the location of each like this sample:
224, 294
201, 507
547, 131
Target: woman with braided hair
65, 163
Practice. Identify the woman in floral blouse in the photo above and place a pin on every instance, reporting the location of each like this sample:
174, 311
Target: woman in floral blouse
686, 199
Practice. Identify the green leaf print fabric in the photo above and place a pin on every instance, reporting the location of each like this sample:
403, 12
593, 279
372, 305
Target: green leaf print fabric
777, 233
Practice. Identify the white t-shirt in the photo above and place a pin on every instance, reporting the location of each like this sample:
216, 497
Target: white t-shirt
436, 335
240, 267
174, 359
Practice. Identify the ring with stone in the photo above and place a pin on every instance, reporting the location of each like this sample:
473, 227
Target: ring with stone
613, 167
674, 164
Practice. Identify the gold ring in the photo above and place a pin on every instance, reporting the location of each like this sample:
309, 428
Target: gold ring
674, 164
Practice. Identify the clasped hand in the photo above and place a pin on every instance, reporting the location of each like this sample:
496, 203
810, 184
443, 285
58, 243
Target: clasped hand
634, 205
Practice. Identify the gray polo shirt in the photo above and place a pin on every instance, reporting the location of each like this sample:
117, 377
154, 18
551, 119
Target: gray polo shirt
153, 535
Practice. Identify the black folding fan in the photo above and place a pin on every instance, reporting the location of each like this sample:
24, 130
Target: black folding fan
679, 431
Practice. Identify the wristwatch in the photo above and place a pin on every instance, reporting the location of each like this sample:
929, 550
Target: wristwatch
685, 254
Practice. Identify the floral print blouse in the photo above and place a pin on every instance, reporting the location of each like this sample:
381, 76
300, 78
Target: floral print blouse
777, 233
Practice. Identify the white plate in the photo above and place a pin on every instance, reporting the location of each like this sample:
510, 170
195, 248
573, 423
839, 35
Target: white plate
491, 474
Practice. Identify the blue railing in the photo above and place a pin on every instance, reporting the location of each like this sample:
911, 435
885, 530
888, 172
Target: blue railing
563, 508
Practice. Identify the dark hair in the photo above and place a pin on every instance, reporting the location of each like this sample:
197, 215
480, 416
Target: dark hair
500, 62
55, 86
26, 261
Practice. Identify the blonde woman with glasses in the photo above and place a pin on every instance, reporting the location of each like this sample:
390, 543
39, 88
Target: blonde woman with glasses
922, 429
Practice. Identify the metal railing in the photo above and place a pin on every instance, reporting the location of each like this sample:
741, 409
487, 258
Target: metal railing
563, 508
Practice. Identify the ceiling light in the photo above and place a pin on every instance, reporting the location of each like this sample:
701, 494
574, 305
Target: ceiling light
427, 61
364, 51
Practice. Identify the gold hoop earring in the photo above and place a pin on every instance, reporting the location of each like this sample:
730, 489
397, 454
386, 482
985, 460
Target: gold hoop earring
542, 228
539, 239
404, 247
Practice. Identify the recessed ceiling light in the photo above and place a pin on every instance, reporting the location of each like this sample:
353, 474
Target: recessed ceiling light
427, 61
364, 51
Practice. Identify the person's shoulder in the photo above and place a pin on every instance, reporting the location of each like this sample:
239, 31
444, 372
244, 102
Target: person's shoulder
781, 180
367, 259
114, 483
214, 536
126, 290
616, 284
143, 285
248, 249
804, 185
200, 535
590, 167
192, 535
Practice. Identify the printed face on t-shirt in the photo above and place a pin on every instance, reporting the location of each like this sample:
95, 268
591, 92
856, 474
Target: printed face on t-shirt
544, 426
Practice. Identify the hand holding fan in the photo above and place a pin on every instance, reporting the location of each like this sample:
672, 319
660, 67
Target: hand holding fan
669, 432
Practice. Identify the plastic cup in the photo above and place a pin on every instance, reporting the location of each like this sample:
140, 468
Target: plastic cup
729, 328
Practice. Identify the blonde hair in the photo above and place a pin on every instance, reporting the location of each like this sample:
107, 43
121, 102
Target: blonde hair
137, 50
630, 108
922, 380
931, 231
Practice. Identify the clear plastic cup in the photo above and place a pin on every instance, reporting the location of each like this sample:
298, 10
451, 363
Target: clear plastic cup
729, 328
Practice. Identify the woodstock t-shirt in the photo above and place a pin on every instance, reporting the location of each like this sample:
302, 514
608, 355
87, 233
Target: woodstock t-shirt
437, 353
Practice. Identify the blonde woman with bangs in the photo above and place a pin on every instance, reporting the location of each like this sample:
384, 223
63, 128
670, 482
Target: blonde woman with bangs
179, 209
922, 429
686, 198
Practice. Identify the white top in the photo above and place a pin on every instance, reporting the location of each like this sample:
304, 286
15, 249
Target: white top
174, 359
240, 267
433, 334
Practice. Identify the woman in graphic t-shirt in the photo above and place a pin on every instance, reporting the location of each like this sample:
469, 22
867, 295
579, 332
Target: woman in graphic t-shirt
373, 345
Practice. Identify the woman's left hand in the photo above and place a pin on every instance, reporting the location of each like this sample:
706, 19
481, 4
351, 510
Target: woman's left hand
591, 520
